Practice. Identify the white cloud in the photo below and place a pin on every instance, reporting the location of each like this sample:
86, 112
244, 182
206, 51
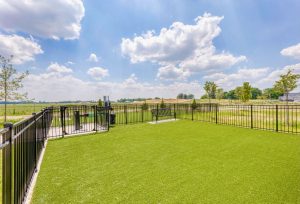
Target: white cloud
232, 80
189, 48
275, 74
48, 19
93, 58
292, 51
69, 63
23, 49
258, 77
170, 72
53, 86
98, 72
210, 60
57, 68
131, 80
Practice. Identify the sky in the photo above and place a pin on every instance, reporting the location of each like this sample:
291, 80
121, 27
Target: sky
82, 50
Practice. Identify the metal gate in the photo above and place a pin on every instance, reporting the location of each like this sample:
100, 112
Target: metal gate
70, 120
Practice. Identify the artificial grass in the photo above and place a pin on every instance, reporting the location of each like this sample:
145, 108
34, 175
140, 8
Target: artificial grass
1, 166
176, 162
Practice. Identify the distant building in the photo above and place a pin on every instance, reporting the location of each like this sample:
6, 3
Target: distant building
294, 97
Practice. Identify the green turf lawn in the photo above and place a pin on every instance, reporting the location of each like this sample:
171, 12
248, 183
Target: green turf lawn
1, 175
175, 162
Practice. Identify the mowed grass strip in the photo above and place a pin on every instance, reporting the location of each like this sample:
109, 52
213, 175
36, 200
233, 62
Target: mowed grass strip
176, 162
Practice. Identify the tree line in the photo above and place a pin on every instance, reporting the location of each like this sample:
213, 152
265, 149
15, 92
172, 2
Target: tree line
245, 92
185, 96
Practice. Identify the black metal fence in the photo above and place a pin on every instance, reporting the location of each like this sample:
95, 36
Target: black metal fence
136, 113
102, 118
21, 144
68, 120
280, 118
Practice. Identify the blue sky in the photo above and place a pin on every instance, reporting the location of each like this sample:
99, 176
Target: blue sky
236, 41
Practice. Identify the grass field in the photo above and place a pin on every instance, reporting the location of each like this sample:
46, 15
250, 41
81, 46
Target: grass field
176, 162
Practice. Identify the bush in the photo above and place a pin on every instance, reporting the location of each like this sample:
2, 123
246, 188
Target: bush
162, 104
145, 106
194, 104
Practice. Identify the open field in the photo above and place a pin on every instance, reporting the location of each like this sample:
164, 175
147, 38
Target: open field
176, 162
22, 109
28, 109
17, 112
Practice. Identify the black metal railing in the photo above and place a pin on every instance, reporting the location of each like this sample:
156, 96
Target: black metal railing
68, 120
138, 113
22, 144
102, 118
280, 118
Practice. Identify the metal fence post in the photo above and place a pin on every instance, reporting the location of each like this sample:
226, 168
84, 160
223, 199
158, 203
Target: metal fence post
276, 118
7, 165
44, 126
192, 112
251, 111
62, 119
107, 113
175, 111
95, 118
35, 141
136, 114
156, 118
125, 112
216, 107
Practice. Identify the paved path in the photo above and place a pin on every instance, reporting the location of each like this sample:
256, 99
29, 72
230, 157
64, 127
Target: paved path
70, 130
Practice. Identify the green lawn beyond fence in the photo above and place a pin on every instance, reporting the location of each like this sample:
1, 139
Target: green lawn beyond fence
271, 117
175, 162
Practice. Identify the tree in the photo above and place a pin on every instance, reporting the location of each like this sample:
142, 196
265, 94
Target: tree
194, 104
210, 88
10, 82
180, 96
271, 93
286, 84
145, 106
255, 93
185, 96
190, 96
239, 92
230, 95
244, 92
162, 104
100, 103
220, 94
204, 96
